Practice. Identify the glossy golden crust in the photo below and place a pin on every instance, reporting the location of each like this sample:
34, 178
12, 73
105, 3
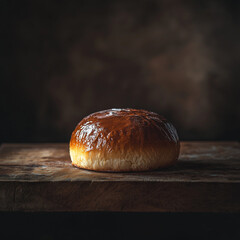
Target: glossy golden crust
124, 140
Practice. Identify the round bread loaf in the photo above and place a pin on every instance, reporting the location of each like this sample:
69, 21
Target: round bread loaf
122, 140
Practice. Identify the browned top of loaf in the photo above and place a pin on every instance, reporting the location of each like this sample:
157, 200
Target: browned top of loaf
123, 129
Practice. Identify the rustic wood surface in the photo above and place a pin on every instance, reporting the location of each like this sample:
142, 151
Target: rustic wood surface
40, 177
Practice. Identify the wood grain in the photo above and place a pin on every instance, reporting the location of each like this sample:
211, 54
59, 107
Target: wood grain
40, 177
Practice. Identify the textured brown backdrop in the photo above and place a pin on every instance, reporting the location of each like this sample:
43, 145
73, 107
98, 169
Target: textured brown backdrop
62, 61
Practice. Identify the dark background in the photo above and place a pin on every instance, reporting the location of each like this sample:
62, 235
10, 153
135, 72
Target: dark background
120, 226
62, 60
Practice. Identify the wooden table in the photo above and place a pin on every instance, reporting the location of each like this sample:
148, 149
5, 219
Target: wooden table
40, 177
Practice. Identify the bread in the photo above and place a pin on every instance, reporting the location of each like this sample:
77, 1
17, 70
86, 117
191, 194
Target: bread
122, 140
